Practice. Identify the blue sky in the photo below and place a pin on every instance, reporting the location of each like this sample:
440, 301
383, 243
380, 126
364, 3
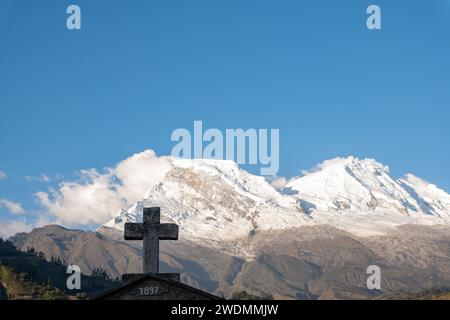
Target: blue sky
71, 100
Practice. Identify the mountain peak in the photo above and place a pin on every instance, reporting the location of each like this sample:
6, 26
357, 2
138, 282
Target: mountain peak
366, 185
216, 200
350, 162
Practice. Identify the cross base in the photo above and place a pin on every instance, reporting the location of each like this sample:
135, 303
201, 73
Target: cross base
126, 278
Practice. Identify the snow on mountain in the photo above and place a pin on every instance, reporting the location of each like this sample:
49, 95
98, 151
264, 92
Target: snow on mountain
429, 197
366, 185
353, 184
215, 201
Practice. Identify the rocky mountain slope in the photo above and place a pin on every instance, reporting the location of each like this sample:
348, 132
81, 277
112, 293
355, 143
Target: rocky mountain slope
312, 239
216, 202
29, 276
306, 263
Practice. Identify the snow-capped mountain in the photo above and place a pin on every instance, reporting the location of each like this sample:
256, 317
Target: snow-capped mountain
314, 238
215, 201
366, 185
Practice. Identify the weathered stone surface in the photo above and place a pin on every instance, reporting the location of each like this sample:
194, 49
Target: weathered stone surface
152, 215
134, 231
151, 285
151, 231
154, 287
130, 277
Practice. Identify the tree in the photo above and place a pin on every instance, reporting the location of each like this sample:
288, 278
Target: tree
101, 274
41, 255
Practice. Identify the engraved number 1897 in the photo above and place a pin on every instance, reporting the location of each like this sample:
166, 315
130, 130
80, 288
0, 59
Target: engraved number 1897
148, 291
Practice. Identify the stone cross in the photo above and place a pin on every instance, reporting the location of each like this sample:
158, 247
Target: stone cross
151, 231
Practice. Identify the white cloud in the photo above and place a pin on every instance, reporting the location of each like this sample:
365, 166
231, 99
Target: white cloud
327, 163
12, 207
41, 178
278, 182
98, 196
12, 227
3, 175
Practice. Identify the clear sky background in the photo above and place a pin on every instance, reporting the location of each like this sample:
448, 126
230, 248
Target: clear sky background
71, 100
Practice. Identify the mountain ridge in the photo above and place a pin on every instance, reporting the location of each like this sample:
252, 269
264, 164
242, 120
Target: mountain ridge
216, 201
310, 240
305, 263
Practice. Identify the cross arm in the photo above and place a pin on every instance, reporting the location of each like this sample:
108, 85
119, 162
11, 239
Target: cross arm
134, 231
168, 231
